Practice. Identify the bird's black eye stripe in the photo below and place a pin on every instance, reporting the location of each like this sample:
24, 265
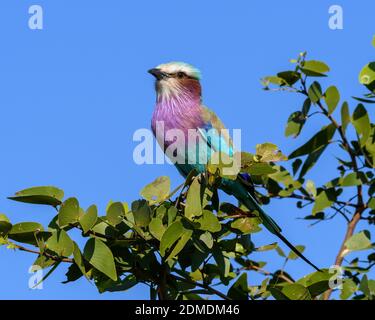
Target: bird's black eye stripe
180, 74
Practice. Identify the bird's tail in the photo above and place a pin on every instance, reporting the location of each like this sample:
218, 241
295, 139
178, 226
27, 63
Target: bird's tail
271, 225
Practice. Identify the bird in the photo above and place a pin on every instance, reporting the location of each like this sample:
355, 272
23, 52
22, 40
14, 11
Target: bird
179, 106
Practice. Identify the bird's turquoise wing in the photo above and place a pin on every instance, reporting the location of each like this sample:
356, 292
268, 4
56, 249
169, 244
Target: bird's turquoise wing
213, 137
215, 133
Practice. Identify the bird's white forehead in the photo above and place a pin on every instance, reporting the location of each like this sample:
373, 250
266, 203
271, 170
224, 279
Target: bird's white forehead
173, 67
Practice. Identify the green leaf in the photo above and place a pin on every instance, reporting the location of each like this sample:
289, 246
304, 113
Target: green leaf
78, 259
295, 123
222, 261
315, 92
69, 212
292, 291
158, 190
73, 274
323, 200
306, 107
185, 237
141, 212
60, 243
239, 290
269, 152
370, 148
352, 179
310, 161
209, 222
88, 220
272, 79
3, 217
319, 140
161, 212
119, 285
102, 227
348, 288
357, 242
296, 165
280, 252
283, 176
247, 159
364, 100
367, 76
367, 287
156, 228
3, 241
345, 117
289, 77
172, 213
247, 225
25, 232
115, 213
371, 289
314, 68
170, 236
259, 169
100, 257
332, 98
371, 203
292, 255
43, 262
310, 188
5, 225
363, 286
224, 165
207, 239
267, 247
48, 195
361, 122
193, 205
316, 282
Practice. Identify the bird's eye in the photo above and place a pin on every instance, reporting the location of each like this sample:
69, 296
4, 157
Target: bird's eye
180, 74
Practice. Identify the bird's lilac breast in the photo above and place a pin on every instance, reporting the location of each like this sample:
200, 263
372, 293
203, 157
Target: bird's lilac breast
167, 117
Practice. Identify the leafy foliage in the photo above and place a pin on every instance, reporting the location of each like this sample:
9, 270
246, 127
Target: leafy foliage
185, 242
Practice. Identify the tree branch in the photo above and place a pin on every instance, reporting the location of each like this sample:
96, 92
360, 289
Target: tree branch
50, 256
348, 234
360, 207
301, 197
267, 273
201, 285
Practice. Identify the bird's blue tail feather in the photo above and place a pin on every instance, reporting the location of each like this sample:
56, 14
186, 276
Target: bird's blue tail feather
242, 195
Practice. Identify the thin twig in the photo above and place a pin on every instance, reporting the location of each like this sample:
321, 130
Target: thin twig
201, 285
302, 197
50, 256
339, 210
267, 273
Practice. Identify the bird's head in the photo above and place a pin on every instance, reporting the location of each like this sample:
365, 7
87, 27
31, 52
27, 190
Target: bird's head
176, 79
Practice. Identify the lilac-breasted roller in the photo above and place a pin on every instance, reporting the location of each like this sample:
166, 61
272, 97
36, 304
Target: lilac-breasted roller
179, 106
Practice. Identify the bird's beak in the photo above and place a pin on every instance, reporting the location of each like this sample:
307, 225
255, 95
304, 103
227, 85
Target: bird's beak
158, 74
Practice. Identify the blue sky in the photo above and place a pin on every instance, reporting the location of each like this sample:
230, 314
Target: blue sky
72, 95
